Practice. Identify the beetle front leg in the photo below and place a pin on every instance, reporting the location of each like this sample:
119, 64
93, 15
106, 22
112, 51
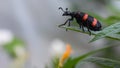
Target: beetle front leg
69, 23
71, 19
63, 23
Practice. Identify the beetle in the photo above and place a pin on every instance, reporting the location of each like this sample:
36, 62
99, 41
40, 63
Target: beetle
83, 19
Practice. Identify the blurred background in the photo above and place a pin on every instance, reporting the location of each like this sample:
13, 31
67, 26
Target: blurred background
30, 37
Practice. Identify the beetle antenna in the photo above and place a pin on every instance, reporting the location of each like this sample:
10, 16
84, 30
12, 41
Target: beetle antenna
61, 9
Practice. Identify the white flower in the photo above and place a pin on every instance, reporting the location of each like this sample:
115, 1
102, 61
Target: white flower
19, 50
6, 36
21, 54
57, 47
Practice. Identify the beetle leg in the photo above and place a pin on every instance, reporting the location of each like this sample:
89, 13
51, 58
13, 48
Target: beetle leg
64, 23
80, 25
82, 28
69, 23
71, 19
88, 30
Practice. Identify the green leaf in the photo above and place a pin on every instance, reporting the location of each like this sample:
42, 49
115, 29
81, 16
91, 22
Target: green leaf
77, 29
110, 31
55, 62
72, 62
114, 36
104, 62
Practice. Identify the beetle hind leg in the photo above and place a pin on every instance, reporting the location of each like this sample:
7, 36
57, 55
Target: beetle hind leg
82, 28
89, 31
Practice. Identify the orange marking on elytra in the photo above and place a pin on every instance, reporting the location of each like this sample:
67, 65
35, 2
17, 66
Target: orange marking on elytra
94, 22
85, 17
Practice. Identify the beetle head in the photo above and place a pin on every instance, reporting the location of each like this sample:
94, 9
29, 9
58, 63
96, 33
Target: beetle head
66, 12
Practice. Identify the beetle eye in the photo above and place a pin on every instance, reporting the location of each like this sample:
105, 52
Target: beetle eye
66, 9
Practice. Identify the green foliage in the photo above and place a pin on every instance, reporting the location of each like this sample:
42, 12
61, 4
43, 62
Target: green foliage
110, 31
10, 47
55, 62
105, 62
72, 62
77, 29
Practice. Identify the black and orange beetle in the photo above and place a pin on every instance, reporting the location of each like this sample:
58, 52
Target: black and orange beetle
83, 19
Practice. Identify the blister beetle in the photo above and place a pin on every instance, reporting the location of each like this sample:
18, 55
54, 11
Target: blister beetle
83, 19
